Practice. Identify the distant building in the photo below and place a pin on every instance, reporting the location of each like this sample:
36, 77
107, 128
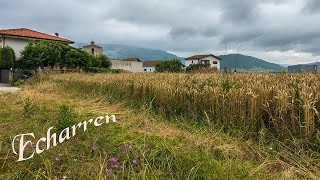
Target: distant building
132, 59
93, 49
130, 65
150, 66
207, 60
17, 39
304, 68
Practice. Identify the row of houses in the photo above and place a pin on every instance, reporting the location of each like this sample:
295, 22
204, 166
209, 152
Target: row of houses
149, 66
19, 38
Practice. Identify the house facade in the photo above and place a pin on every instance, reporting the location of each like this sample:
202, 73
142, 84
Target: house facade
18, 39
93, 49
207, 60
150, 66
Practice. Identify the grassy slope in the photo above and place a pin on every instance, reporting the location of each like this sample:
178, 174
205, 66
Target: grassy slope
170, 149
248, 63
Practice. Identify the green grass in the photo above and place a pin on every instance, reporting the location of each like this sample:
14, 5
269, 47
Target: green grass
170, 148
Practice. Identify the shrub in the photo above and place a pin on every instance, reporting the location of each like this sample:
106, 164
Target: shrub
7, 58
193, 67
96, 62
105, 61
77, 58
46, 54
173, 65
66, 117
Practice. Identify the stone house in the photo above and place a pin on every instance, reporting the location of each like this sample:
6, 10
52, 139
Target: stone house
93, 49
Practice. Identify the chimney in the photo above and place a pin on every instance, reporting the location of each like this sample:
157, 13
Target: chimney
57, 34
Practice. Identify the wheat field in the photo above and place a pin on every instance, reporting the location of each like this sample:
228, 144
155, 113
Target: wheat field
283, 105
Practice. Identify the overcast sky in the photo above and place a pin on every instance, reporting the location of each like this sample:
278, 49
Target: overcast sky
280, 31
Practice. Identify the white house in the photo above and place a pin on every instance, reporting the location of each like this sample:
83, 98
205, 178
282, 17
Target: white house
17, 39
207, 60
150, 66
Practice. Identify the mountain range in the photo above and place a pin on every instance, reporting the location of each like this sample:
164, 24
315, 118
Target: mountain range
118, 51
248, 63
231, 61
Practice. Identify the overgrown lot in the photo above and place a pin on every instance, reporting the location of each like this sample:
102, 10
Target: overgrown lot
170, 126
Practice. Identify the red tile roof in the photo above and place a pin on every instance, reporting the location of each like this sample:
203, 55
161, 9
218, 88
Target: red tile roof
196, 57
27, 33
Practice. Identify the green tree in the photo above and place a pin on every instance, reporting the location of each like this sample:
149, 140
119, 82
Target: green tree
105, 61
173, 65
193, 67
44, 54
7, 58
96, 62
77, 58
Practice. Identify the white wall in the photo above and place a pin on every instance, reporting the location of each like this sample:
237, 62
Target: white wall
127, 65
149, 69
189, 62
16, 44
210, 58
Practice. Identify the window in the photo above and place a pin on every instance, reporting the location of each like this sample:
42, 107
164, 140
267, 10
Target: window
214, 62
192, 62
145, 69
205, 62
92, 51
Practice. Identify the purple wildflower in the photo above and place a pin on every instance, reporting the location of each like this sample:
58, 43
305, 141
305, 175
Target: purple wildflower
57, 158
134, 161
114, 159
108, 170
94, 147
115, 166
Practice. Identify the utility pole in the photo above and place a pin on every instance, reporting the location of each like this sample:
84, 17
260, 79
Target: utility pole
237, 55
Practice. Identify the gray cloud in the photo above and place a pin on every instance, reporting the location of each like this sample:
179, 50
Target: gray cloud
176, 25
313, 6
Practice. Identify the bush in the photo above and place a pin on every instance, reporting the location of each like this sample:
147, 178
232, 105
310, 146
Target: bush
96, 62
66, 117
77, 58
105, 61
50, 54
104, 70
193, 67
174, 65
7, 58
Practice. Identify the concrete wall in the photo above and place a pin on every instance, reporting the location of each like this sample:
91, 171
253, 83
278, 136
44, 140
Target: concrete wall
127, 65
149, 69
210, 58
17, 44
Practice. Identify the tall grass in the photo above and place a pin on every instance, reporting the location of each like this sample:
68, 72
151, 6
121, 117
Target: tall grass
284, 105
